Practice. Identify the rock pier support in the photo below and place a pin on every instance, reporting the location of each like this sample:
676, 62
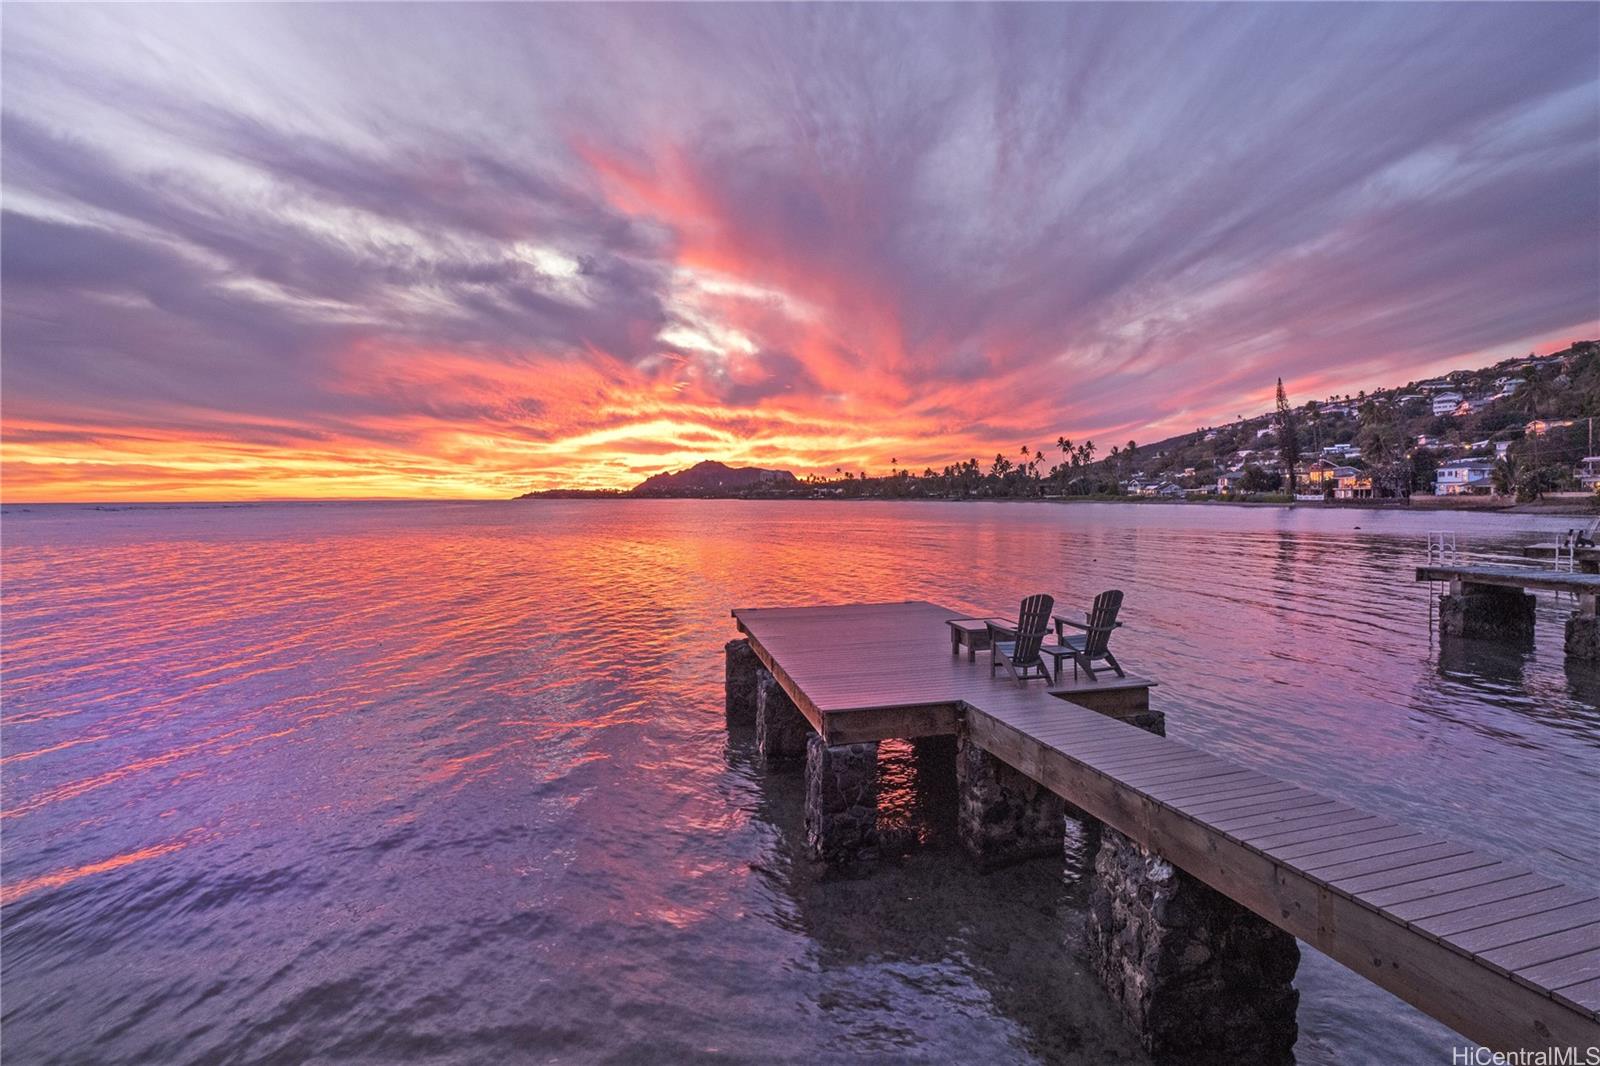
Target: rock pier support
841, 800
781, 730
1198, 977
1003, 815
741, 671
1489, 612
1583, 630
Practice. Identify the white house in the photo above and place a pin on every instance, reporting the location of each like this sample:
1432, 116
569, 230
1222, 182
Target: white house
1501, 447
1445, 403
1229, 482
1589, 472
1461, 477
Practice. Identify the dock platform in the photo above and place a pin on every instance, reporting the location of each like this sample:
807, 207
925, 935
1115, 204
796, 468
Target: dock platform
1506, 957
1585, 556
1514, 577
1494, 602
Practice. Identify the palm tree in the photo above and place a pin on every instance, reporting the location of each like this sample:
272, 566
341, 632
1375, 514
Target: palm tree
1505, 476
1536, 392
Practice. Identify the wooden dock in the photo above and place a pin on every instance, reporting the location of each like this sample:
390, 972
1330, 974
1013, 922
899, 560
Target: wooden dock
1504, 956
1494, 602
1515, 577
1586, 556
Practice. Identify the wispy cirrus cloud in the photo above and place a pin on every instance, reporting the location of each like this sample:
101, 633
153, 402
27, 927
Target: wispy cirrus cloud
309, 250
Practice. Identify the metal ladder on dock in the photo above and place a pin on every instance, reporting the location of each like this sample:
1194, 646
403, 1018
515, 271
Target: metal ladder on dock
1442, 550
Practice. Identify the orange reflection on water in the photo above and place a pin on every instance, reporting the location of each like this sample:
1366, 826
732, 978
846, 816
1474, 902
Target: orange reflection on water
10, 893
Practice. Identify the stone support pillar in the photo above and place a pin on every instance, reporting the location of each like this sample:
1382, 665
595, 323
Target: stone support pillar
1198, 977
1004, 816
1583, 637
740, 671
1487, 612
841, 799
781, 729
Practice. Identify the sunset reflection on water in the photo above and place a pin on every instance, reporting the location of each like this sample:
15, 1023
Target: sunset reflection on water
450, 782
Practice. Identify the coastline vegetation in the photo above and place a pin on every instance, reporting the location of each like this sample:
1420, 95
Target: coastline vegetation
1530, 417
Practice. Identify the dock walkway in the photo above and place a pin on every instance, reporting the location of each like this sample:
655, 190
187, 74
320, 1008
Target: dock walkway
1505, 956
1514, 577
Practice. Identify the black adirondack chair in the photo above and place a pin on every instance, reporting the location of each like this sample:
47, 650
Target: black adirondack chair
1019, 648
1093, 644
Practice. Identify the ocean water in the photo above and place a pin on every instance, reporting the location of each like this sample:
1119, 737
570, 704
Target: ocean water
450, 782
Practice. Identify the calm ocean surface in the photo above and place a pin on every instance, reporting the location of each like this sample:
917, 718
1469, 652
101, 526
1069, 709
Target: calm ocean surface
450, 782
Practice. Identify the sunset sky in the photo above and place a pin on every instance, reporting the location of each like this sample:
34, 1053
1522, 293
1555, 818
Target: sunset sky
447, 251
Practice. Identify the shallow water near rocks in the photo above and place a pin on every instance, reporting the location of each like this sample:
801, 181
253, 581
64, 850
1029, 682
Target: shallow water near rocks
450, 782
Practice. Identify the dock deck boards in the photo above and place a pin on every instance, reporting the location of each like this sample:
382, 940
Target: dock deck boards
1519, 577
1503, 955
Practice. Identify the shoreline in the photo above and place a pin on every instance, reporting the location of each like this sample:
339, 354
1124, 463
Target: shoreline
1554, 508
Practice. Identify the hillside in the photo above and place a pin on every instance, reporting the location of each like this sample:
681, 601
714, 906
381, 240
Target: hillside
711, 478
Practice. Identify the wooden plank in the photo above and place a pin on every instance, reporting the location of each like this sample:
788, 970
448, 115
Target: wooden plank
1412, 872
1563, 972
1341, 815
1512, 882
1558, 919
1444, 883
853, 727
1189, 772
1147, 750
1338, 830
1530, 900
1286, 797
1408, 854
1282, 817
1585, 995
1358, 843
1393, 851
1515, 958
1128, 768
1235, 783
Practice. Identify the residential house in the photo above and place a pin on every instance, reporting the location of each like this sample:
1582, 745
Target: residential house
1353, 485
1501, 447
1589, 472
1464, 477
1540, 426
1445, 403
1229, 482
1342, 451
1321, 473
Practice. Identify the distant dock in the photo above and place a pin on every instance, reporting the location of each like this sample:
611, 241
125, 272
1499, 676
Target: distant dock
1494, 603
1206, 870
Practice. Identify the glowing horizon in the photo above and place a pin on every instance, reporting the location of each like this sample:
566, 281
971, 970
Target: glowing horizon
305, 252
